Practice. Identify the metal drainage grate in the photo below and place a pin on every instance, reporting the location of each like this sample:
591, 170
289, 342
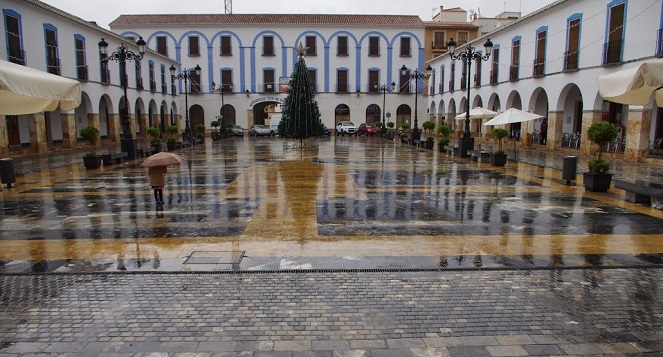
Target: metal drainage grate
215, 257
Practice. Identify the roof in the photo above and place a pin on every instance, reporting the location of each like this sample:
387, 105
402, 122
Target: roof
266, 19
437, 24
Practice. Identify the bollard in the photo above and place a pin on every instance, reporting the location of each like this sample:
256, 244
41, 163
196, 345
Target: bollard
569, 168
7, 173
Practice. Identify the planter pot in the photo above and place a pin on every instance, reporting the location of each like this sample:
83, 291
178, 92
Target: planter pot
157, 148
215, 136
596, 182
171, 146
498, 159
441, 148
430, 144
92, 162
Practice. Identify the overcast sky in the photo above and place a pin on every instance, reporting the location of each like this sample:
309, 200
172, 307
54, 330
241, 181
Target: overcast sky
103, 12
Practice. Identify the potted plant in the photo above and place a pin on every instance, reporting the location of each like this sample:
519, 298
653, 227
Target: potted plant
215, 134
430, 142
91, 160
597, 179
155, 134
498, 158
428, 126
404, 137
390, 129
444, 131
200, 132
171, 143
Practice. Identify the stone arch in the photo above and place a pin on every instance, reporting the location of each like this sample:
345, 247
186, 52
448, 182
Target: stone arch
163, 116
373, 113
139, 114
494, 103
152, 112
341, 113
228, 115
538, 103
83, 113
403, 115
451, 114
196, 116
477, 102
514, 101
105, 115
570, 104
441, 118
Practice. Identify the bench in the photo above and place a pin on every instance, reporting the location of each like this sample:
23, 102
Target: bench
475, 155
113, 158
639, 191
145, 151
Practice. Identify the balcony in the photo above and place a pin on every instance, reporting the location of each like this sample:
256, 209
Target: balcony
53, 66
16, 55
81, 73
105, 76
451, 85
342, 88
570, 60
441, 87
513, 73
268, 88
463, 82
153, 86
139, 84
164, 88
493, 77
612, 52
477, 80
173, 89
538, 68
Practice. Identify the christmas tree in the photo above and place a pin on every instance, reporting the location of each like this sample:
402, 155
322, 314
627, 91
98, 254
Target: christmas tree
301, 115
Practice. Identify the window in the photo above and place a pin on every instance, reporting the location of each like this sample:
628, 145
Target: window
81, 66
433, 79
612, 49
572, 42
226, 47
341, 81
164, 84
173, 89
442, 79
153, 82
14, 42
515, 59
540, 61
405, 47
373, 80
226, 81
404, 82
268, 46
463, 75
52, 60
374, 46
477, 72
194, 82
139, 76
194, 48
495, 69
342, 46
313, 77
452, 76
463, 37
439, 40
310, 44
268, 75
161, 45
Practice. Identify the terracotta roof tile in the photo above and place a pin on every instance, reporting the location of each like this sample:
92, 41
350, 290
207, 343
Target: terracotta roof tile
436, 24
266, 19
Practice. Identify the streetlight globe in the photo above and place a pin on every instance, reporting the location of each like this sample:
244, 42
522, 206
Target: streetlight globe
172, 70
488, 46
451, 46
393, 86
141, 45
198, 70
103, 47
404, 71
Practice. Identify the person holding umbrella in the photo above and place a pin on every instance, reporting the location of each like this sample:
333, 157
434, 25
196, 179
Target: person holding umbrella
157, 170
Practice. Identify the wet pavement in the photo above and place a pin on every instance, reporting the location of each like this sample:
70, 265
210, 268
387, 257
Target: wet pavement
350, 247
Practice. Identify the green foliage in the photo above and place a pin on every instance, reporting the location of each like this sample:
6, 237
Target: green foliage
430, 139
91, 135
404, 135
428, 125
172, 130
391, 124
405, 126
378, 124
301, 114
499, 152
200, 128
499, 134
215, 124
154, 132
443, 141
155, 142
597, 165
602, 133
443, 130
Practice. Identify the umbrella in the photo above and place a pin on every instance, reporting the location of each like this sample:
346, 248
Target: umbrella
25, 90
512, 115
477, 113
162, 159
634, 85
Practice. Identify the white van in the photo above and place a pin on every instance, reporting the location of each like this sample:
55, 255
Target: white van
274, 124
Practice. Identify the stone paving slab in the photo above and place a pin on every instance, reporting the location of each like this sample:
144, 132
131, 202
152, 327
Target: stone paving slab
479, 313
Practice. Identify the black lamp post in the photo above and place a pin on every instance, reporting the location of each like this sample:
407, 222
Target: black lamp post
122, 55
416, 75
186, 75
222, 88
469, 54
384, 88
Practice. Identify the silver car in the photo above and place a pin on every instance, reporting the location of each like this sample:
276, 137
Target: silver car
237, 130
346, 127
259, 130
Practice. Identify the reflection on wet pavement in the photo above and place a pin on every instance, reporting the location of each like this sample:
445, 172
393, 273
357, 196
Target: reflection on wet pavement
344, 203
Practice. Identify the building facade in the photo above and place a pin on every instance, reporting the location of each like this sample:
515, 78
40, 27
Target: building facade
548, 63
43, 37
246, 61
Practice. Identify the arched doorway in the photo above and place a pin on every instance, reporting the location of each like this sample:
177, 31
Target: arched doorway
571, 104
196, 116
341, 113
514, 101
403, 115
373, 113
228, 115
262, 111
104, 114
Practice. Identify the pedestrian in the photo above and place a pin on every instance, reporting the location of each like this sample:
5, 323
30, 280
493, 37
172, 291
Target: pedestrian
544, 131
157, 175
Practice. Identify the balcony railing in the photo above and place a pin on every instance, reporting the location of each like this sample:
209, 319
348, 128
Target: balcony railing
139, 83
659, 43
451, 85
513, 73
105, 76
570, 60
538, 68
612, 52
463, 82
477, 80
173, 89
164, 88
153, 86
268, 88
81, 73
53, 66
441, 87
493, 77
16, 55
342, 88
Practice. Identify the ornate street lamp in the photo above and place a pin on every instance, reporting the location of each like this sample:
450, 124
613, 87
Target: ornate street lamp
417, 76
384, 88
228, 87
122, 55
468, 55
186, 75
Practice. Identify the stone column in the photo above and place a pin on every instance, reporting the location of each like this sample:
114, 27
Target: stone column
143, 124
114, 123
588, 118
69, 130
638, 128
4, 136
555, 125
37, 125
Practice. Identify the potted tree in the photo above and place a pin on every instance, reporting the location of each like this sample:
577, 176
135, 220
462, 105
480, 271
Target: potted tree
155, 134
597, 178
390, 129
444, 132
428, 126
403, 134
430, 142
91, 160
378, 124
200, 132
171, 143
498, 158
215, 134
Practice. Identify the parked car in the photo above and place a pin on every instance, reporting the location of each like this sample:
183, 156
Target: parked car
325, 130
259, 130
346, 127
367, 129
237, 130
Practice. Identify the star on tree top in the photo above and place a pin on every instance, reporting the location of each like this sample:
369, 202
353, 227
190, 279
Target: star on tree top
301, 50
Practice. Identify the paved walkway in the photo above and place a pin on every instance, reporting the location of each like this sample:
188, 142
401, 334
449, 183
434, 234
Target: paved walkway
355, 247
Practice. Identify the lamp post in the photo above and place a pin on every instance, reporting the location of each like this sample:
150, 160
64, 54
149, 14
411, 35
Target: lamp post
186, 75
417, 76
469, 54
222, 88
122, 55
384, 88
